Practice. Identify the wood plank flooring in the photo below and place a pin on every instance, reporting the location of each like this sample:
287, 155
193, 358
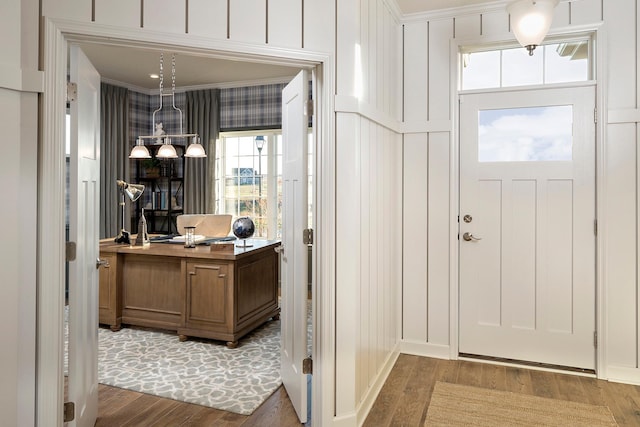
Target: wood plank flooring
403, 400
119, 408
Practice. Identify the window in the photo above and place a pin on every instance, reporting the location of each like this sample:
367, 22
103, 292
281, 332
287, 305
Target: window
525, 134
249, 181
551, 63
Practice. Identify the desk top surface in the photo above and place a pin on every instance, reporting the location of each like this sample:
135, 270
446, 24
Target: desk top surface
225, 250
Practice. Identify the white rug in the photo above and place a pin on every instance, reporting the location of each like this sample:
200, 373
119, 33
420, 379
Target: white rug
196, 371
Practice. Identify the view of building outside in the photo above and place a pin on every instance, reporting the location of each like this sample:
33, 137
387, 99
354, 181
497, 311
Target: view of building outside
249, 179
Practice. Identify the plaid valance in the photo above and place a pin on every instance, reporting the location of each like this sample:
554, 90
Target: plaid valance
251, 107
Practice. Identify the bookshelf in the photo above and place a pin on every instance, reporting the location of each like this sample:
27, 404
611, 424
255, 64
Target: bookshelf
163, 195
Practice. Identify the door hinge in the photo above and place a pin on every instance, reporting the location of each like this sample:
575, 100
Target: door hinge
72, 91
595, 227
595, 339
69, 411
309, 107
70, 251
595, 115
307, 236
307, 366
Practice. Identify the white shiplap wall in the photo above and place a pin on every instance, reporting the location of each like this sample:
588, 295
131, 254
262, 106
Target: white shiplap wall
427, 162
369, 201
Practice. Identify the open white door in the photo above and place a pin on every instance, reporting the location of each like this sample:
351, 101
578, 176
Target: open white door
294, 256
83, 230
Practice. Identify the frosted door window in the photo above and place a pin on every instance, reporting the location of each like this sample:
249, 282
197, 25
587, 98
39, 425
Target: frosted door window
525, 134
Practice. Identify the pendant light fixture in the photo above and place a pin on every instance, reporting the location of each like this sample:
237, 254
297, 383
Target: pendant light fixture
167, 150
530, 21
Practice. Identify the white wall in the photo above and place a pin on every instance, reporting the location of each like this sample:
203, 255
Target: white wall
19, 83
427, 160
369, 201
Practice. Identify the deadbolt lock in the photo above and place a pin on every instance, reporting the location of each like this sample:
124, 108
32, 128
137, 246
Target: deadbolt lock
467, 218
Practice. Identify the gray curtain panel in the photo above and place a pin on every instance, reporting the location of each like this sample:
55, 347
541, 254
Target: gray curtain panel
114, 156
202, 117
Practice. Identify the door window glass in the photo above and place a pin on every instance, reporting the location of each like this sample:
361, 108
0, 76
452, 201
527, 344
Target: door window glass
525, 134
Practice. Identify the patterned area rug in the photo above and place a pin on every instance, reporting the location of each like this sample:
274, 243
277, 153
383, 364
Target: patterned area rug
203, 372
460, 405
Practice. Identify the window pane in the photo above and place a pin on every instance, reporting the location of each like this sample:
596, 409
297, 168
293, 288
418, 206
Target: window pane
525, 134
566, 62
519, 68
481, 70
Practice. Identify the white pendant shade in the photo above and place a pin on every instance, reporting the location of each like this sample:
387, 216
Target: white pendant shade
530, 20
139, 151
195, 149
167, 151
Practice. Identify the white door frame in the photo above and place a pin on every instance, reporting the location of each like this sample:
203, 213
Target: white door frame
51, 195
598, 34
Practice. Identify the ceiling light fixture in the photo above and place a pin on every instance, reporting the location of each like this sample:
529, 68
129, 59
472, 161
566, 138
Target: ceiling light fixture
167, 150
530, 21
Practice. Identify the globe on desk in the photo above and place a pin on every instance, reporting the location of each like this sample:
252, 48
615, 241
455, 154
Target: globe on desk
243, 228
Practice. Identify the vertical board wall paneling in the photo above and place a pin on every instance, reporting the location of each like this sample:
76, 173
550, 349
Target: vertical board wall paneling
365, 48
76, 10
167, 16
415, 72
208, 18
366, 242
561, 15
347, 262
622, 82
438, 243
372, 211
248, 21
467, 26
440, 33
285, 23
381, 82
588, 11
415, 237
123, 13
496, 22
348, 52
318, 26
10, 30
621, 257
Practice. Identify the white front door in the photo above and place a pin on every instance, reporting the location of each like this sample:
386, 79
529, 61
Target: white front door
294, 256
83, 229
526, 225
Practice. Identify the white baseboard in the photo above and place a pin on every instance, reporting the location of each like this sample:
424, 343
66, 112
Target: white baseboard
624, 375
438, 351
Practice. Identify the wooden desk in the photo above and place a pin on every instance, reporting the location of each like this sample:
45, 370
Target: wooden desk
201, 292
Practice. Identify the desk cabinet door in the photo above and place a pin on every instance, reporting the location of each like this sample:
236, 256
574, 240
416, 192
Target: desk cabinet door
108, 296
209, 301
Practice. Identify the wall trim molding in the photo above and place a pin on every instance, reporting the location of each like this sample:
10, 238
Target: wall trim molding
351, 104
21, 80
438, 351
374, 390
623, 115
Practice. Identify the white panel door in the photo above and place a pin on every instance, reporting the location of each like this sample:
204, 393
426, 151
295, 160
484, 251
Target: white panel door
294, 258
527, 212
83, 229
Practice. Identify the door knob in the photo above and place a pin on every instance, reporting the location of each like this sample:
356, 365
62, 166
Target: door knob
470, 237
100, 262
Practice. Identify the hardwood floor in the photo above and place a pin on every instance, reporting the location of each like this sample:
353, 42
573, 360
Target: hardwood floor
119, 408
404, 398
403, 401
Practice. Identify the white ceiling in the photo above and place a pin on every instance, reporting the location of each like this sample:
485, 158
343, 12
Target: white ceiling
132, 66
